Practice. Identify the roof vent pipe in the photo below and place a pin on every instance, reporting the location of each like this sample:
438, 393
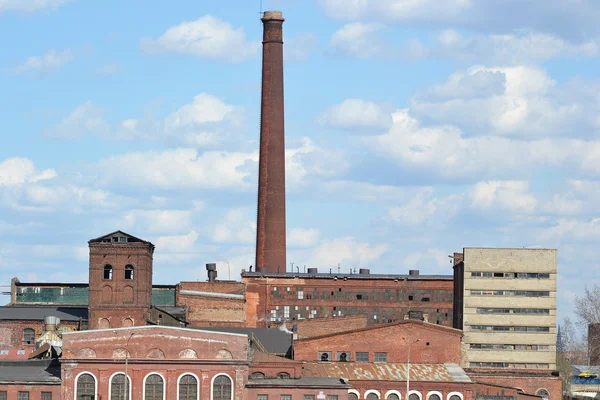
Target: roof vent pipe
212, 272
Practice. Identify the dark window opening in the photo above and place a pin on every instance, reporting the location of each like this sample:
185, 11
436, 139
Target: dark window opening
28, 336
108, 271
129, 272
115, 239
283, 375
411, 297
359, 297
425, 299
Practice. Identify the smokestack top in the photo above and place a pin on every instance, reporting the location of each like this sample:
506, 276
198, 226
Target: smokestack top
272, 15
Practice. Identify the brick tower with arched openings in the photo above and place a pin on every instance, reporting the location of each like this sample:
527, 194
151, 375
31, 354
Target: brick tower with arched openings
120, 281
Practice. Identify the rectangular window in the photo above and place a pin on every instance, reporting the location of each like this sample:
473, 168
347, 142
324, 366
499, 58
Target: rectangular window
362, 356
380, 357
23, 396
332, 397
325, 356
262, 397
343, 356
309, 397
46, 396
286, 397
3, 395
300, 295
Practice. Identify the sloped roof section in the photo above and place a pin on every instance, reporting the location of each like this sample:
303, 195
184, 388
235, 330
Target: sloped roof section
273, 341
130, 238
385, 371
38, 313
424, 324
30, 371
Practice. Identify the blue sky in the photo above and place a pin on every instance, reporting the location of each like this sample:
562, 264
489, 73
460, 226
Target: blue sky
412, 130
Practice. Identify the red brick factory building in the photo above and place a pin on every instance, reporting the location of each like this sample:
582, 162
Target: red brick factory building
277, 334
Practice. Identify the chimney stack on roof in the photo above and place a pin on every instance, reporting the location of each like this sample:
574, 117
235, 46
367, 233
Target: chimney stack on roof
270, 224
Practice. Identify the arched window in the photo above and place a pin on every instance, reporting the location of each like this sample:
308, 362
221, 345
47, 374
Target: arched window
352, 396
543, 393
392, 396
257, 375
108, 271
118, 388
372, 396
434, 396
28, 336
154, 387
129, 272
283, 375
221, 388
414, 396
188, 388
85, 387
454, 397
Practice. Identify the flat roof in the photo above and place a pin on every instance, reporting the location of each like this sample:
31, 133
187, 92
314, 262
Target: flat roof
332, 275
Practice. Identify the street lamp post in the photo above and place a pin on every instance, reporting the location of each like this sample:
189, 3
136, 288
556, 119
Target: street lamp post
408, 366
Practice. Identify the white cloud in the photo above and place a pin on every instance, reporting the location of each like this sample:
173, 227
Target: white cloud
157, 221
178, 168
198, 124
51, 60
85, 118
298, 48
309, 161
303, 237
177, 244
512, 196
518, 101
570, 20
424, 209
508, 49
109, 69
346, 251
443, 152
29, 5
237, 226
572, 230
207, 37
19, 170
357, 114
358, 40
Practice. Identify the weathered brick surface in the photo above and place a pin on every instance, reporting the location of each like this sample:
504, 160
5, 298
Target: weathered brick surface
437, 345
529, 383
324, 326
204, 310
11, 332
383, 300
170, 352
119, 301
35, 391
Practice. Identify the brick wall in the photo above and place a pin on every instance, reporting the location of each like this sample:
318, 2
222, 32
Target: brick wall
11, 332
205, 310
35, 390
528, 383
437, 345
325, 326
383, 300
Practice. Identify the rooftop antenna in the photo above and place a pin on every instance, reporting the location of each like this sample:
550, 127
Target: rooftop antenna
338, 268
304, 268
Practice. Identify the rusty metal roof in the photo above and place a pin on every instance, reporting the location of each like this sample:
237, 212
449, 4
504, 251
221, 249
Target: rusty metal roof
385, 371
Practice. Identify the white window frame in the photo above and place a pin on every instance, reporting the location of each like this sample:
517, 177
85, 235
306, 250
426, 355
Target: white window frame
415, 392
435, 392
197, 383
212, 387
392, 392
164, 384
455, 394
368, 392
110, 384
95, 383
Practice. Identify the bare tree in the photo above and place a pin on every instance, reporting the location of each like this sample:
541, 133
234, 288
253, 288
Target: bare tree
587, 307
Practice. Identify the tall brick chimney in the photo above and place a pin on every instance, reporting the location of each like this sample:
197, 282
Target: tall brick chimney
270, 229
